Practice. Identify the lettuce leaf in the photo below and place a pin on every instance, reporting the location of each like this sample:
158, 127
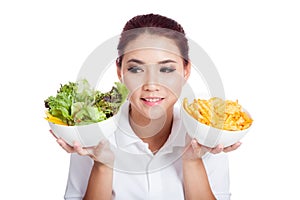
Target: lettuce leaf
77, 103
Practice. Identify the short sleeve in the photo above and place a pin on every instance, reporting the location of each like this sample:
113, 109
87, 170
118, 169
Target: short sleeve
79, 173
217, 168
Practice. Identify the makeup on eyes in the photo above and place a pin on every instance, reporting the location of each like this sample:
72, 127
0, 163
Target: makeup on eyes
135, 69
167, 69
165, 66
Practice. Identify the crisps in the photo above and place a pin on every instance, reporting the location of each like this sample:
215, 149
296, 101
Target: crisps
219, 113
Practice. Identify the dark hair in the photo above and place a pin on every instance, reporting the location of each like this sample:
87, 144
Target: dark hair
153, 24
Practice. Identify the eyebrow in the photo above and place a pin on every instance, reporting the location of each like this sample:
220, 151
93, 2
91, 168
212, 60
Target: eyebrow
167, 61
160, 62
136, 61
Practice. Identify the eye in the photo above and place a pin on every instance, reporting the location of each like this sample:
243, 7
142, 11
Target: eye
167, 69
135, 69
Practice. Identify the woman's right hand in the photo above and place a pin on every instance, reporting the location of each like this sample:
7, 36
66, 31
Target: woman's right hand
100, 153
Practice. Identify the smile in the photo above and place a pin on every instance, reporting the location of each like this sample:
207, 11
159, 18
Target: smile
152, 100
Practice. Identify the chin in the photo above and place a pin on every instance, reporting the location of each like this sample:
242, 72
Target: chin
157, 112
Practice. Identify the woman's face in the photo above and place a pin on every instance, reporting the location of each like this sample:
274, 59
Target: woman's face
153, 71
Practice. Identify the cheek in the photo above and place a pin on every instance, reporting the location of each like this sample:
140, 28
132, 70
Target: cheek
173, 82
133, 82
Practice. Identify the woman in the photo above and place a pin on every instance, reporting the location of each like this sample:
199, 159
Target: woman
150, 156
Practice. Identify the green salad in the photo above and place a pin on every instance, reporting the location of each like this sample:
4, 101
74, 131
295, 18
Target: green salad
77, 103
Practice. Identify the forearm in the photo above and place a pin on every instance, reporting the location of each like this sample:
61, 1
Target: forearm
196, 185
100, 183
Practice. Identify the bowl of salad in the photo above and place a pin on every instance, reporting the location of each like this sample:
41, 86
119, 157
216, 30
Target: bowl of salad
80, 113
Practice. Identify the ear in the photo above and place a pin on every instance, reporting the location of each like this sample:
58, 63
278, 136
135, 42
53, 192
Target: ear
119, 73
187, 70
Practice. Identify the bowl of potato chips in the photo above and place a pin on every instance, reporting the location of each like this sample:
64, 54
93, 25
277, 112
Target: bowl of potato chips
215, 121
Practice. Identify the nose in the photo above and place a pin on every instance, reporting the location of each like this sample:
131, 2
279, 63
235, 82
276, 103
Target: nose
151, 87
151, 82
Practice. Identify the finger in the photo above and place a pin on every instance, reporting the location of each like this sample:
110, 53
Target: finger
199, 150
104, 153
65, 146
195, 145
232, 147
188, 139
218, 149
100, 147
78, 149
96, 150
53, 134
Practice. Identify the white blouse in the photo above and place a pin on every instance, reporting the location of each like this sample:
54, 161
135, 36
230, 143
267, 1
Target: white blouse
138, 174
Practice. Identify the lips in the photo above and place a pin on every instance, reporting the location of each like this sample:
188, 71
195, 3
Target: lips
152, 100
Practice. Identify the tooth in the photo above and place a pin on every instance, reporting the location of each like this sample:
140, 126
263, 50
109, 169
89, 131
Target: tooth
153, 100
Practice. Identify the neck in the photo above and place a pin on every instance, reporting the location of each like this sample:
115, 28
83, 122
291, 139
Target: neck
155, 132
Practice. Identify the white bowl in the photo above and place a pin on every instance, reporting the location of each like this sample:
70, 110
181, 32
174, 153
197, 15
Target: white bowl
86, 135
210, 136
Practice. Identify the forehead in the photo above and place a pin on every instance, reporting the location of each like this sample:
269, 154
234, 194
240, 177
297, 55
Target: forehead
151, 56
152, 45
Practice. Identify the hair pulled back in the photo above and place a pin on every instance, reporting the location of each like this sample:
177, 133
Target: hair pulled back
153, 24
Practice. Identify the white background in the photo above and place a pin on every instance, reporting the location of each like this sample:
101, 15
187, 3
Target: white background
254, 44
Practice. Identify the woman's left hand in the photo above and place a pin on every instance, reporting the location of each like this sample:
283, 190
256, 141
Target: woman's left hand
196, 150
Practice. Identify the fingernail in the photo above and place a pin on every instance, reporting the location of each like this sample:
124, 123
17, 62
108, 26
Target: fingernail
221, 146
59, 142
193, 141
75, 144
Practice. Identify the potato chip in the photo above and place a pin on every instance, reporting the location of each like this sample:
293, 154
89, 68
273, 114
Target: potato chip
216, 112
